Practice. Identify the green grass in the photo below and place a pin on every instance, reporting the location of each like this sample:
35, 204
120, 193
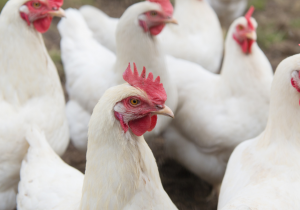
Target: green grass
295, 23
258, 4
2, 3
269, 35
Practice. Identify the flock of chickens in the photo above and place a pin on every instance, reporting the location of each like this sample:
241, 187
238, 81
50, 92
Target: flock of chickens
127, 78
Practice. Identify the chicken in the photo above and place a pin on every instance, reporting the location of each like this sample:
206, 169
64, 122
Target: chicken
263, 173
103, 27
30, 89
121, 172
198, 41
198, 37
228, 10
217, 112
91, 68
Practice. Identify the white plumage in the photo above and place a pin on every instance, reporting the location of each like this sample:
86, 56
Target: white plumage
102, 26
91, 68
217, 112
228, 10
30, 93
263, 173
198, 37
121, 172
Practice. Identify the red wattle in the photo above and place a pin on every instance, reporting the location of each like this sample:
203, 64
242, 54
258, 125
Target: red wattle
42, 25
155, 30
153, 122
142, 125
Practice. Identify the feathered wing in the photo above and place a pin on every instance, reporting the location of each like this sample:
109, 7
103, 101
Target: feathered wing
88, 67
78, 119
102, 26
12, 148
87, 64
46, 181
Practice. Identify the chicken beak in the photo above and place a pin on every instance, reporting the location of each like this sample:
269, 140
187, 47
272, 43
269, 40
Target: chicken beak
58, 13
251, 35
165, 111
171, 20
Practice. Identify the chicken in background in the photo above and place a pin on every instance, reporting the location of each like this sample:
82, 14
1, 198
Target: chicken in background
198, 37
263, 173
91, 68
121, 171
228, 10
217, 112
30, 89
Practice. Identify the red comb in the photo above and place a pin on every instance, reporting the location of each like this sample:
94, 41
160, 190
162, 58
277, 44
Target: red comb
154, 89
166, 6
248, 17
56, 3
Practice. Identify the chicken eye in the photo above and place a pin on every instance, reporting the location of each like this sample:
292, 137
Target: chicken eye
153, 13
240, 27
134, 102
36, 5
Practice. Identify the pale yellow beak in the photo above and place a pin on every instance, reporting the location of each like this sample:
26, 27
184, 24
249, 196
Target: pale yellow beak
58, 13
165, 111
171, 20
252, 35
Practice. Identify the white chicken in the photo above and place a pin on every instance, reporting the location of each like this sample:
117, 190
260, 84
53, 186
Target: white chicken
263, 173
197, 38
91, 69
217, 112
30, 89
121, 172
228, 10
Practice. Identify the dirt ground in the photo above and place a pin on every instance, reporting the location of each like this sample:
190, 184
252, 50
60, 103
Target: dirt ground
278, 36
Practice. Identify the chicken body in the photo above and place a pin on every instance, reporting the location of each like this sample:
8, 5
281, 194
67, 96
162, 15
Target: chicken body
121, 172
228, 10
30, 93
216, 112
198, 36
91, 68
262, 172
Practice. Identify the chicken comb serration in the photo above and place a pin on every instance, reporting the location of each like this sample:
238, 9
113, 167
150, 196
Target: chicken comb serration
166, 6
248, 17
154, 89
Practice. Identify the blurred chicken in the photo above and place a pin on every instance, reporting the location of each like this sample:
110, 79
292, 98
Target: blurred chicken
121, 172
30, 89
263, 173
228, 10
197, 38
91, 69
217, 112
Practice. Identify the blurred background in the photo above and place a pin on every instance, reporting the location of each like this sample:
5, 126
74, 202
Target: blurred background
278, 36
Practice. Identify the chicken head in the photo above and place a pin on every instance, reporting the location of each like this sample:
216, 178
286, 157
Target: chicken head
154, 21
245, 34
41, 12
139, 112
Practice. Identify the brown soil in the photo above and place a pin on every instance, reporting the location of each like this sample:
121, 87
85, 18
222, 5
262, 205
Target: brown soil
278, 36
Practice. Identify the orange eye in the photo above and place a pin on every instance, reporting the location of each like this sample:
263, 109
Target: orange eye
36, 5
134, 102
240, 27
153, 13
